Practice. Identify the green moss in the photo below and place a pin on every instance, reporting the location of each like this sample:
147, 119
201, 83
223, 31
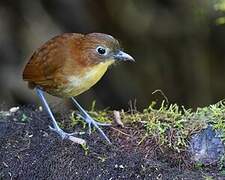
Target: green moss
24, 118
169, 125
216, 116
75, 120
207, 177
85, 148
101, 116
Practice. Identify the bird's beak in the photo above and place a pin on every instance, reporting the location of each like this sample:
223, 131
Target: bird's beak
122, 56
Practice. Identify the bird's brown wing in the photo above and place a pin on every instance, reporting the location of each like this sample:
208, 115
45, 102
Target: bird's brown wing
45, 63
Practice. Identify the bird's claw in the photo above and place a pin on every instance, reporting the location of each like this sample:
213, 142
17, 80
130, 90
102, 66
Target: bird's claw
64, 135
91, 121
96, 124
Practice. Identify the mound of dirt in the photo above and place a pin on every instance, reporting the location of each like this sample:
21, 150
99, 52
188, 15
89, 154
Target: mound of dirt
29, 150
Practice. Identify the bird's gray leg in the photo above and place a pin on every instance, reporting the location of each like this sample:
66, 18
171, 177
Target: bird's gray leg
55, 127
88, 119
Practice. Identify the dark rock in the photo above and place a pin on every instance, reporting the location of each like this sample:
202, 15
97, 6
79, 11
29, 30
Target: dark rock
206, 147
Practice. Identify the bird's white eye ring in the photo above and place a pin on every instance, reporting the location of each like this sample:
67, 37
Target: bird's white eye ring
101, 50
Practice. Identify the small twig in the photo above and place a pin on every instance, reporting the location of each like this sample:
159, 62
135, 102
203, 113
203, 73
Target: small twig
133, 106
142, 139
14, 109
121, 132
6, 165
162, 93
117, 118
77, 140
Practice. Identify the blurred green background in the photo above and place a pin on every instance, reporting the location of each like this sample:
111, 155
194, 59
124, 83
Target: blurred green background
179, 47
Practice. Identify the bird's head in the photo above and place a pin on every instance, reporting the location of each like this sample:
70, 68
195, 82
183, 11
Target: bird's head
101, 47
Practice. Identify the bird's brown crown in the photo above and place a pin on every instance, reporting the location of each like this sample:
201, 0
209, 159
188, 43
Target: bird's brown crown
101, 39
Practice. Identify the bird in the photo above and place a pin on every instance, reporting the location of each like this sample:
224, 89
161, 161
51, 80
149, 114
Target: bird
68, 65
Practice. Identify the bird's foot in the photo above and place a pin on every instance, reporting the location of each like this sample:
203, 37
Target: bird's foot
63, 134
91, 122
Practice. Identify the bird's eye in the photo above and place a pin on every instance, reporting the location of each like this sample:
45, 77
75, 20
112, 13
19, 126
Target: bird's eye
101, 50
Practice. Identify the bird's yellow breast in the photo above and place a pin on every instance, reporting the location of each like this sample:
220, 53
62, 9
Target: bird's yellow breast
81, 83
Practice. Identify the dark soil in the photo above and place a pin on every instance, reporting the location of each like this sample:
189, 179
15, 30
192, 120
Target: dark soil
29, 150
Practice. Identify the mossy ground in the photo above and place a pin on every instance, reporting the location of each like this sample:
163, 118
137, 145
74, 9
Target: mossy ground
152, 145
170, 125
